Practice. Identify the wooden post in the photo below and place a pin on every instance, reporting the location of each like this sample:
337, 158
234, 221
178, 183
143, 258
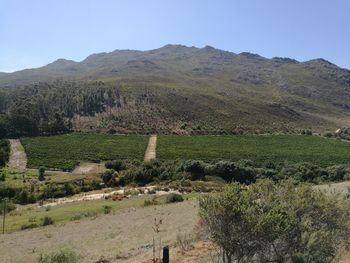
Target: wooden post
166, 254
3, 220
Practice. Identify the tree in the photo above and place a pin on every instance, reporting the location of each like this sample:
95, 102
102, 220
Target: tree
276, 222
41, 176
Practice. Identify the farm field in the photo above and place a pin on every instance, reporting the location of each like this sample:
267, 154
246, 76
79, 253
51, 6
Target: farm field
64, 152
275, 148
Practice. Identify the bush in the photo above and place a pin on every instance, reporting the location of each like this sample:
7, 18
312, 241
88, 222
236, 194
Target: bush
7, 191
271, 222
107, 209
63, 256
108, 177
174, 198
41, 171
149, 202
195, 169
24, 197
47, 221
9, 207
29, 226
116, 165
69, 189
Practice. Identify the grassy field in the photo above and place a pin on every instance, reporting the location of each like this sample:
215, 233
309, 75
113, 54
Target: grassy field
276, 148
66, 151
73, 211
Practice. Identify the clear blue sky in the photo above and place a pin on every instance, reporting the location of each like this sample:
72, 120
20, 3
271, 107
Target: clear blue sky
36, 32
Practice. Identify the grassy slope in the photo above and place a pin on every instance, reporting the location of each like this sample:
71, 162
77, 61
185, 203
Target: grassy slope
66, 151
277, 148
66, 212
76, 210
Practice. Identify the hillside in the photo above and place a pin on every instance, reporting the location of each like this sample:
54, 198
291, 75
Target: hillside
179, 89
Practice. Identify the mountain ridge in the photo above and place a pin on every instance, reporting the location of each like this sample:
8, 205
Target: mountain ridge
169, 47
180, 89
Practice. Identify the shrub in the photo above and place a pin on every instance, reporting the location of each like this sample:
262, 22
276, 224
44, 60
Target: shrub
69, 189
108, 177
41, 176
47, 221
63, 256
9, 207
7, 191
174, 198
29, 226
107, 209
195, 169
149, 202
116, 165
24, 197
271, 222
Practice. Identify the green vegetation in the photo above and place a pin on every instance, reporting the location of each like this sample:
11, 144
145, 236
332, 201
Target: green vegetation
66, 151
24, 188
4, 152
274, 148
244, 171
276, 223
62, 256
174, 198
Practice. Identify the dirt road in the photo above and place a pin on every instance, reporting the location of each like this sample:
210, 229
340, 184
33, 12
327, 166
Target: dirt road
18, 158
150, 153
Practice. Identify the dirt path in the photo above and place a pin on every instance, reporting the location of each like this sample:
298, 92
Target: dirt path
150, 153
102, 194
341, 187
18, 157
120, 237
89, 168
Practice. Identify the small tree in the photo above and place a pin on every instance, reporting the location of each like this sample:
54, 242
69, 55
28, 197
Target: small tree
41, 173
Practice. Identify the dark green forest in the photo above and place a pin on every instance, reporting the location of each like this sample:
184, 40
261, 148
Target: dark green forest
47, 108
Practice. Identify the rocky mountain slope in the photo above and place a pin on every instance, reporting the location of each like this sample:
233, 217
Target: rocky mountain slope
179, 89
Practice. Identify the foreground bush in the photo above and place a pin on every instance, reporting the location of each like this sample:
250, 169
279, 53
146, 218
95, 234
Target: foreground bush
271, 222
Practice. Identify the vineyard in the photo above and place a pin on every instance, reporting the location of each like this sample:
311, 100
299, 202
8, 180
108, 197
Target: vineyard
64, 152
274, 148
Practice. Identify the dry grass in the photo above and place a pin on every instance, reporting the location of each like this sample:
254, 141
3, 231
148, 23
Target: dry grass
119, 237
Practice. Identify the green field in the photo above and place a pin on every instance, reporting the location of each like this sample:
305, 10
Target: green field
276, 148
66, 151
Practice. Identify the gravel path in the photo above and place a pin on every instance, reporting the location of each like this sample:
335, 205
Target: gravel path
18, 157
150, 153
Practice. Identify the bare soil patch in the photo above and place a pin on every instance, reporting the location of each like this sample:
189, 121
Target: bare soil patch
150, 153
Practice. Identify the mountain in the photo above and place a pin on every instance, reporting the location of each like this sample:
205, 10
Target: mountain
179, 89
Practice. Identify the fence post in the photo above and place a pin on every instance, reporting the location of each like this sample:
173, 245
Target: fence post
166, 254
3, 220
